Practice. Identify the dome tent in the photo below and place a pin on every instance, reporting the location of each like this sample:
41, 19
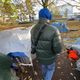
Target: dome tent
13, 40
61, 26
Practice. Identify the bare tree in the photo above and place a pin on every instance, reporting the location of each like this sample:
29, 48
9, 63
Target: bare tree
45, 3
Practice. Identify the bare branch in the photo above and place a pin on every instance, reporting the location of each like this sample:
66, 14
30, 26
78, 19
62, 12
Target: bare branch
77, 2
39, 2
42, 1
46, 1
71, 4
50, 3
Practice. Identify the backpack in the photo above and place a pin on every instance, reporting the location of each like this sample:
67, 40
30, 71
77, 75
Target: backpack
73, 54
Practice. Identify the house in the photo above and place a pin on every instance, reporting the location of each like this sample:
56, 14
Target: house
66, 10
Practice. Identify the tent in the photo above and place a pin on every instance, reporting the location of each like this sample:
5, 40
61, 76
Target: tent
61, 26
13, 40
74, 45
5, 70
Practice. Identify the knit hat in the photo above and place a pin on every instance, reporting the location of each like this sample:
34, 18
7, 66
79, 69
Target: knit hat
45, 13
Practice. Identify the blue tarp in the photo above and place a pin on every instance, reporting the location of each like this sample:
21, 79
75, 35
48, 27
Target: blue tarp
61, 26
17, 54
77, 41
21, 55
75, 45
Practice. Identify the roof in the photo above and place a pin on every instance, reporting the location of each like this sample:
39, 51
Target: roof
71, 3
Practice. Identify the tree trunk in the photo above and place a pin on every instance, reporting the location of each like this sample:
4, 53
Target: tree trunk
3, 17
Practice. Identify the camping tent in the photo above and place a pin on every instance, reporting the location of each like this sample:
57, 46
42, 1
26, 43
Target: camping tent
61, 26
76, 45
13, 40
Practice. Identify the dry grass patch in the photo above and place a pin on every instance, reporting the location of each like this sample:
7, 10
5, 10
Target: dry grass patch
72, 34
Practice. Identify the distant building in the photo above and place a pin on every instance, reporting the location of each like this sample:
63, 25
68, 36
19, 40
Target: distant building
65, 9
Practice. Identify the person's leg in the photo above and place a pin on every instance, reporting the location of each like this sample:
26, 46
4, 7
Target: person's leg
44, 70
50, 71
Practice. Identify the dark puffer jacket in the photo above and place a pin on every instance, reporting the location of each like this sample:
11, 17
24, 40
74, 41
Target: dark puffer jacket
49, 44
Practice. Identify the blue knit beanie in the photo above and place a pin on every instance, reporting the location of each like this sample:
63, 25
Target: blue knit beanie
45, 13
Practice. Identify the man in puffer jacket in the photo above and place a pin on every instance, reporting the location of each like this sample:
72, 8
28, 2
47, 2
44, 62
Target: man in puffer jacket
49, 43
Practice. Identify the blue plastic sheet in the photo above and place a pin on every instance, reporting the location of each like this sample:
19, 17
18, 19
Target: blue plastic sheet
16, 54
77, 41
61, 26
75, 44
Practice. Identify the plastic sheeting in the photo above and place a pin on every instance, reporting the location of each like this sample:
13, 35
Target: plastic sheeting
75, 44
5, 70
61, 26
14, 40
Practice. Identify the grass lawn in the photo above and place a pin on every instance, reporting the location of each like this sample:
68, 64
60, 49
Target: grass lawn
4, 26
72, 25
